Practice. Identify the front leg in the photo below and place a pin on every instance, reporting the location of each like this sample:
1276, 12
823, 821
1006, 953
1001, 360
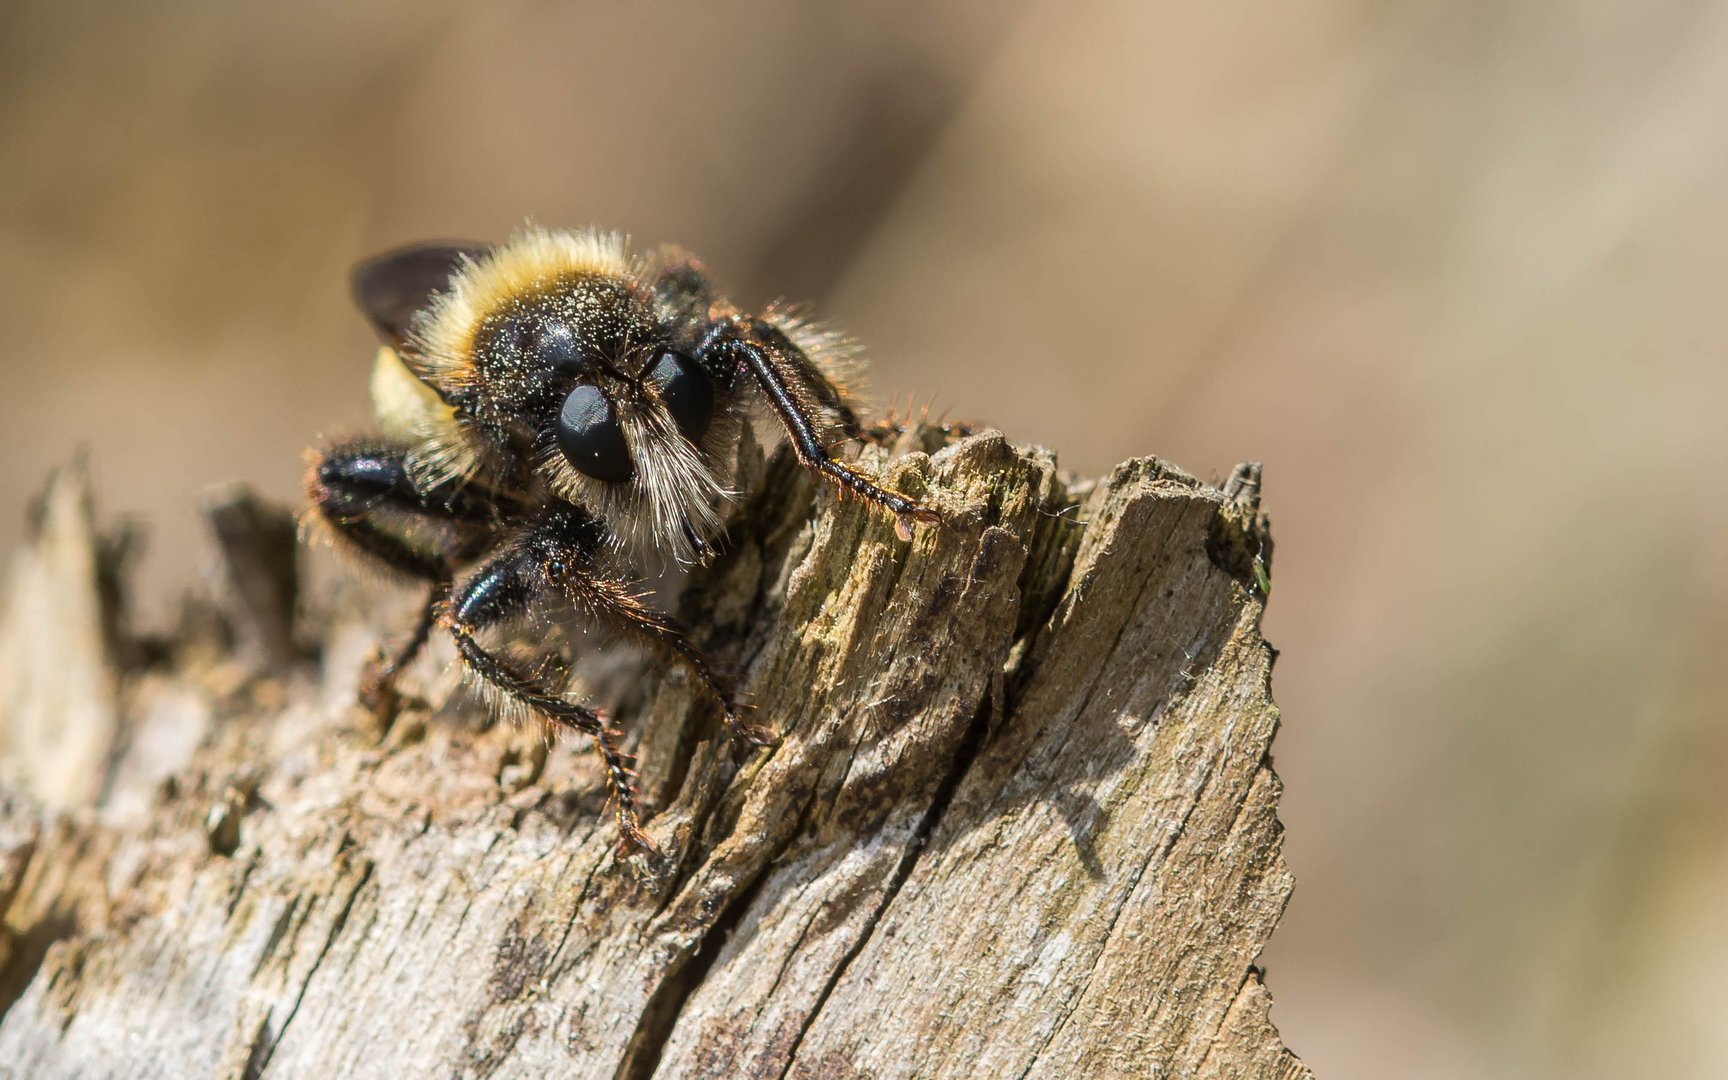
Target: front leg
560, 555
798, 392
500, 592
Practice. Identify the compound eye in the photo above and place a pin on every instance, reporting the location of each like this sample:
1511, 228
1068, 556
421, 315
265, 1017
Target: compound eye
590, 438
687, 391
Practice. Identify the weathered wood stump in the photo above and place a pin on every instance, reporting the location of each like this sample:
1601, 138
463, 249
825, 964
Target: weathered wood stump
1021, 820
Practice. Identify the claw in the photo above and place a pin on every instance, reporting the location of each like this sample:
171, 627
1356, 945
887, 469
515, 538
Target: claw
747, 737
632, 841
903, 521
378, 694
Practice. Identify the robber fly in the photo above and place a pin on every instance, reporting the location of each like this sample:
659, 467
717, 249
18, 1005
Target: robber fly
555, 415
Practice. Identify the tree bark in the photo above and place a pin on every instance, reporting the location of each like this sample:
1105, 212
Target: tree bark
1020, 822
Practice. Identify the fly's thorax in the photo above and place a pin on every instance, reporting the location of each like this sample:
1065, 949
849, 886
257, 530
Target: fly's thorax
532, 350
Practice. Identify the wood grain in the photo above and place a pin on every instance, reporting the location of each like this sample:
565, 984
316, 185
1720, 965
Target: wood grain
1021, 822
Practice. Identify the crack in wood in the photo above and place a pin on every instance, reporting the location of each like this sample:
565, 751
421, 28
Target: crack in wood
908, 859
340, 921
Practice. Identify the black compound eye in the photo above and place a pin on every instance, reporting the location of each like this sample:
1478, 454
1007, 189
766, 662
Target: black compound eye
589, 436
687, 391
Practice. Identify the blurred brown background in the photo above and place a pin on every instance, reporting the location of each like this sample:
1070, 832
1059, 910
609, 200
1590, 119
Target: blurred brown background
1453, 270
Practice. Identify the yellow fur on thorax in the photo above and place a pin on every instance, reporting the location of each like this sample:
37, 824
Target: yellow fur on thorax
408, 411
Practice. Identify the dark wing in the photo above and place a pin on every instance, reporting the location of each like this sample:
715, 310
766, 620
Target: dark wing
393, 287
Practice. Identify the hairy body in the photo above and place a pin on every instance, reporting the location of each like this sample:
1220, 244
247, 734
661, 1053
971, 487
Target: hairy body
554, 414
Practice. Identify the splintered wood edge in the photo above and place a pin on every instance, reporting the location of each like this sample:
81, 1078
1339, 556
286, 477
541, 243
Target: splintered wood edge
1022, 821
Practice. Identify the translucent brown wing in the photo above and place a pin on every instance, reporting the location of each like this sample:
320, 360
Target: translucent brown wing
393, 287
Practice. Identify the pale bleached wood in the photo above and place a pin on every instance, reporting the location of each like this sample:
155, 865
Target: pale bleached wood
1021, 823
57, 711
